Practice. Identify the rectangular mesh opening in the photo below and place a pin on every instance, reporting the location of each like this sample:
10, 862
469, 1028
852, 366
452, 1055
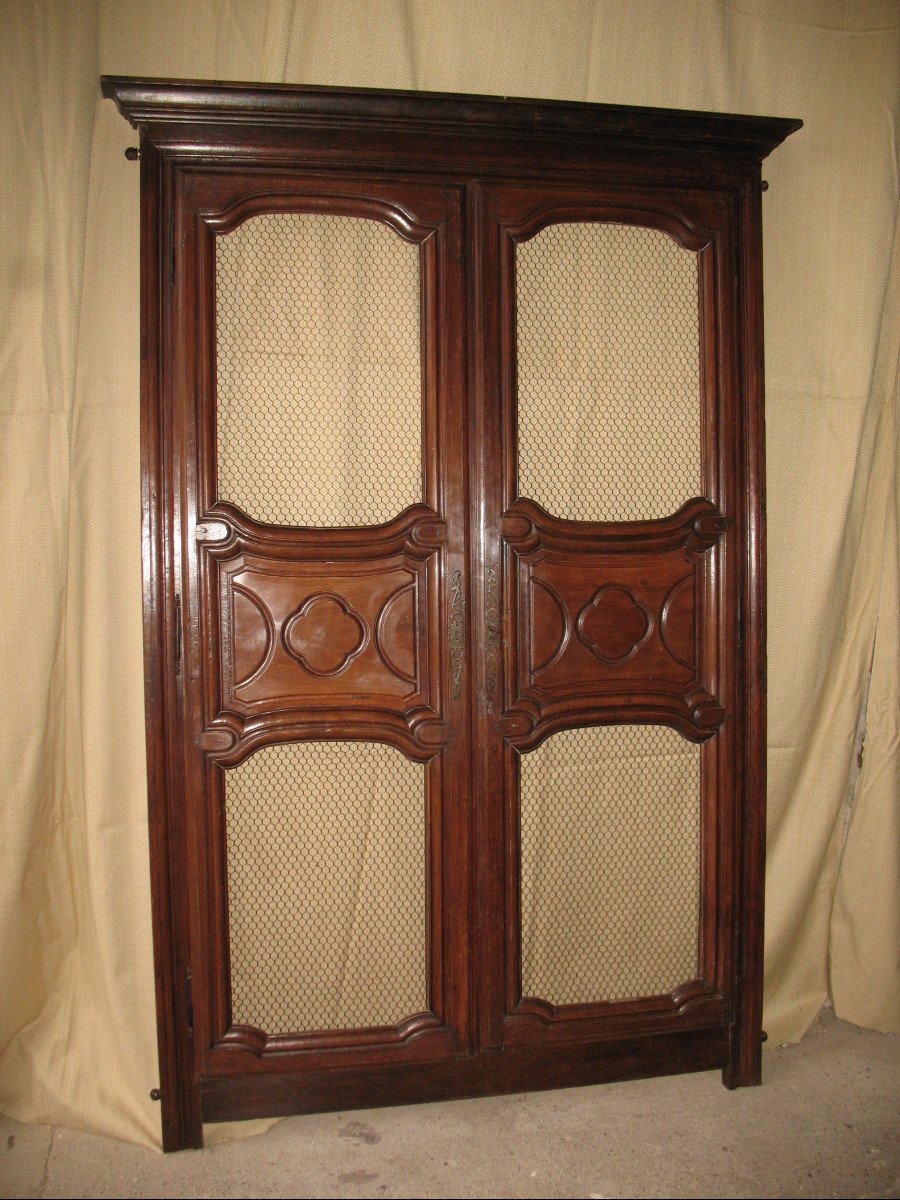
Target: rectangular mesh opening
326, 887
610, 864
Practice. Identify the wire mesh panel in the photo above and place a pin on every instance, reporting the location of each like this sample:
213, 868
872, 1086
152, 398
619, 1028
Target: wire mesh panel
326, 887
608, 372
318, 370
610, 864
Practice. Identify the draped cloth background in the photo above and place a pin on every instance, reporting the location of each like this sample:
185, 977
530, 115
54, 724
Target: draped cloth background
77, 1022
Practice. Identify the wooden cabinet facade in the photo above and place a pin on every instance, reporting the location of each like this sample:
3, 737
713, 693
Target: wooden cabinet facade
454, 596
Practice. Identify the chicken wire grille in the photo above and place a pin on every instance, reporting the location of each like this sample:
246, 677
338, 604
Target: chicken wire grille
318, 370
610, 864
608, 372
326, 887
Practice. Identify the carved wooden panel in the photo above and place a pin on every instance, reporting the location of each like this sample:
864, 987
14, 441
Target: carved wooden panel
349, 632
607, 622
317, 629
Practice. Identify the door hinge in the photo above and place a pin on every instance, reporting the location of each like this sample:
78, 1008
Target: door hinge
177, 633
189, 995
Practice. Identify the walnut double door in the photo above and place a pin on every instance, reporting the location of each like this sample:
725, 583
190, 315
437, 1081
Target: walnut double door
450, 646
453, 611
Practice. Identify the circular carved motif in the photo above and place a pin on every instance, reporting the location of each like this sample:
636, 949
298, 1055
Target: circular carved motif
549, 626
253, 636
676, 623
614, 624
395, 633
325, 634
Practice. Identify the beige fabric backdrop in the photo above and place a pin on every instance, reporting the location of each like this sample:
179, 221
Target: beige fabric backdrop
77, 1027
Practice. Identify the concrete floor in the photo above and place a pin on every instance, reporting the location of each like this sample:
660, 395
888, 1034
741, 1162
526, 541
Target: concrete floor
824, 1123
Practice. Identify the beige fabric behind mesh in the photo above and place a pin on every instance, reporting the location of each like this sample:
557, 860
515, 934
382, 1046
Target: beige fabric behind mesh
610, 830
319, 387
608, 372
326, 886
77, 1024
318, 422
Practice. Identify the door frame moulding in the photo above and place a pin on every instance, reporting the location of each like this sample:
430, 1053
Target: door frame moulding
693, 175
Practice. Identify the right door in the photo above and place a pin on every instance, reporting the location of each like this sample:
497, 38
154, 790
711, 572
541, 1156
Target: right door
609, 710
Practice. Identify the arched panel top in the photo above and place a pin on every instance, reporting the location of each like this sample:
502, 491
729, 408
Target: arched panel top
316, 202
688, 234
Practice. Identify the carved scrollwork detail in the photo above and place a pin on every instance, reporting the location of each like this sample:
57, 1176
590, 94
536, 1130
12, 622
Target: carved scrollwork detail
518, 723
427, 534
706, 528
457, 632
550, 623
217, 740
428, 730
707, 714
254, 649
520, 531
676, 622
398, 616
211, 531
494, 634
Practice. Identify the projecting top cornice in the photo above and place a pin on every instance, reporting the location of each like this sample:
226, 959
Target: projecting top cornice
151, 103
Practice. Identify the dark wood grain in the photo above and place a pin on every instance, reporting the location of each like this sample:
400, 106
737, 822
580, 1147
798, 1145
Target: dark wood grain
593, 614
472, 625
251, 105
322, 630
229, 1098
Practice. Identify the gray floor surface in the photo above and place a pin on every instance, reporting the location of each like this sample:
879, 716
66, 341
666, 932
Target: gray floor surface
824, 1123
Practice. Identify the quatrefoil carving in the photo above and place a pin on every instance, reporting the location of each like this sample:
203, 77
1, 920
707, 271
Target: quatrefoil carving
614, 624
325, 635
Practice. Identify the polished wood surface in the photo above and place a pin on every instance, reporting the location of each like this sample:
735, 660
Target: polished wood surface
319, 629
606, 622
471, 626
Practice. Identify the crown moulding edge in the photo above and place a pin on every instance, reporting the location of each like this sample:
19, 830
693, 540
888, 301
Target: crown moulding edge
144, 102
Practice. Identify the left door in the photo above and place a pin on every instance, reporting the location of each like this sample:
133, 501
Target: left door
305, 556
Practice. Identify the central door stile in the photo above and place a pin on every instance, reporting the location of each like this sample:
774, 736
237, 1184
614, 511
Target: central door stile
452, 839
492, 481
